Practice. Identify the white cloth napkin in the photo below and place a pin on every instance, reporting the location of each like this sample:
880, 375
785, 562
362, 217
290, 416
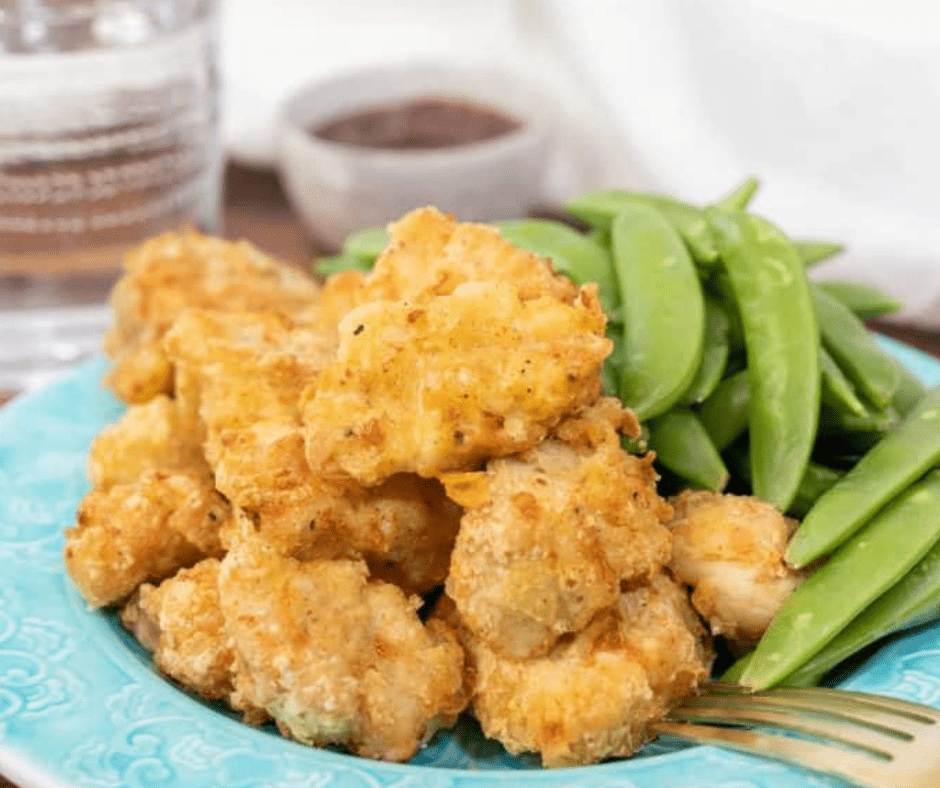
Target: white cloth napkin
834, 104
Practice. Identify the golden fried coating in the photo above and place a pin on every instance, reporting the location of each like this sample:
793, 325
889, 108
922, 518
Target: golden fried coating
593, 696
173, 271
147, 437
445, 385
729, 550
240, 376
430, 254
404, 529
243, 373
141, 531
551, 535
180, 622
334, 657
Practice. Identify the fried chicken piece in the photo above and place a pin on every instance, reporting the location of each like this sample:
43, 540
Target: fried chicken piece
430, 254
239, 377
140, 531
729, 550
146, 437
336, 658
445, 385
180, 622
243, 374
593, 696
404, 529
173, 271
550, 535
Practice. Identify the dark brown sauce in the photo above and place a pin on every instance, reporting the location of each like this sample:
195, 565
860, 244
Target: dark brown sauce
422, 123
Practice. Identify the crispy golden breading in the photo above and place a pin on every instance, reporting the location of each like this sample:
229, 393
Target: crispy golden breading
146, 437
243, 374
174, 271
180, 622
448, 384
404, 529
551, 535
141, 531
430, 254
594, 695
334, 657
729, 550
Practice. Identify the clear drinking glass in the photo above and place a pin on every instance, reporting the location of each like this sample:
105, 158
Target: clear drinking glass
108, 134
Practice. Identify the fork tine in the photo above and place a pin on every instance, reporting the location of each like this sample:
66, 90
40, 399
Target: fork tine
834, 709
845, 732
876, 711
905, 708
852, 700
866, 771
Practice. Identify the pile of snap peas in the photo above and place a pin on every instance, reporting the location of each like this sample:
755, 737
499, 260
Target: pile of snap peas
749, 376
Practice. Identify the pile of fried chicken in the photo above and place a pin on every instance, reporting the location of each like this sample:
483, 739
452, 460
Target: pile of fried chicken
303, 467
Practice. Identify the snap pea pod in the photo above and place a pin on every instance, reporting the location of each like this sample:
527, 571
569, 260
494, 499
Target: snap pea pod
865, 301
724, 414
663, 310
863, 568
813, 252
913, 600
715, 349
327, 266
816, 480
599, 209
872, 422
910, 390
613, 364
580, 258
682, 445
782, 341
854, 349
837, 392
739, 198
367, 244
901, 456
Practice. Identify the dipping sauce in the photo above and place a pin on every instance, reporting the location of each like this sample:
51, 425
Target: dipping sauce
423, 123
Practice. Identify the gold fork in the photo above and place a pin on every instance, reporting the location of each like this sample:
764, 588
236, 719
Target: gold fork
872, 741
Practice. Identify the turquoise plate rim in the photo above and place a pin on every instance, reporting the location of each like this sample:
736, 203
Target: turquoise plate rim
81, 707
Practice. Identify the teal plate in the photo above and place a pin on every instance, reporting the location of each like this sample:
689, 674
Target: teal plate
81, 706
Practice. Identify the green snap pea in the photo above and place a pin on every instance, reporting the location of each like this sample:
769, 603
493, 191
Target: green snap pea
327, 266
872, 422
663, 310
367, 244
837, 391
724, 414
715, 350
739, 198
682, 445
613, 364
910, 390
863, 568
580, 258
854, 349
901, 456
817, 479
865, 301
913, 600
813, 252
782, 342
599, 209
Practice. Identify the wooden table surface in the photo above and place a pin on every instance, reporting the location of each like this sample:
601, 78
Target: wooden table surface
257, 210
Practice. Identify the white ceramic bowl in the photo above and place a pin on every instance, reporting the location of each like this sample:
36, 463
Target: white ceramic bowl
336, 189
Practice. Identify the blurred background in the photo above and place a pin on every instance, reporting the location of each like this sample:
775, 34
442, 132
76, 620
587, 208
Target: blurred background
834, 105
